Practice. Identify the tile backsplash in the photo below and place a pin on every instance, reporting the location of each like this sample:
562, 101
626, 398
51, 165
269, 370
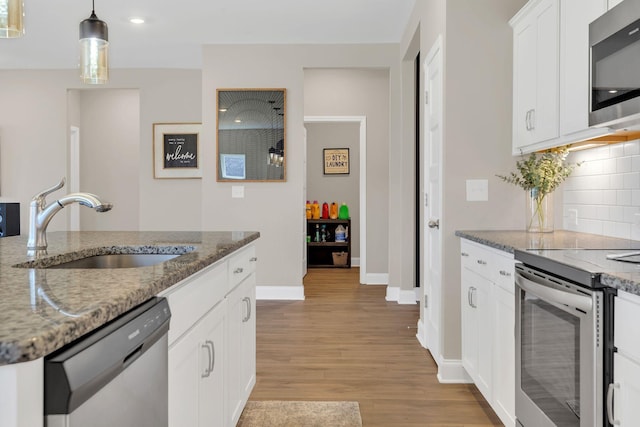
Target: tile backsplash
602, 196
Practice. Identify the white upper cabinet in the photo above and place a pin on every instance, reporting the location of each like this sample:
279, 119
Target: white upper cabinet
535, 73
551, 73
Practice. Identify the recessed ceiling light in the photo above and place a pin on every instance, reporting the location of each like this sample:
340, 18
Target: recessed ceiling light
613, 91
238, 121
222, 110
136, 20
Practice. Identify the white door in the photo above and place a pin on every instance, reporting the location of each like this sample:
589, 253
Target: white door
433, 198
304, 196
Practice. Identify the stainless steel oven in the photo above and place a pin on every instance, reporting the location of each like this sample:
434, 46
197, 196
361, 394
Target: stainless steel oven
559, 351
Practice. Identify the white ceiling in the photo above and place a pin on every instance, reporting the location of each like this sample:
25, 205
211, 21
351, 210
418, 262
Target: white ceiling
175, 30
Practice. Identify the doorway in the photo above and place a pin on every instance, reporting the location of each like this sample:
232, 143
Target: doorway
361, 122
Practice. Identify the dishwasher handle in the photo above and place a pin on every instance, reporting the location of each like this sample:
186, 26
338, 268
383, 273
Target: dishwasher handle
553, 295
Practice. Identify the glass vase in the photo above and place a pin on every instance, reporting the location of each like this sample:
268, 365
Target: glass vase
539, 212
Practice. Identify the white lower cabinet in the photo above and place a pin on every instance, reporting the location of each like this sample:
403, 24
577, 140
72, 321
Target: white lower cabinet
212, 343
488, 321
241, 346
624, 392
196, 373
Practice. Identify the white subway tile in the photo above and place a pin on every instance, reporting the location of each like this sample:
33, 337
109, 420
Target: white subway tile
630, 214
602, 213
623, 230
616, 150
635, 232
609, 166
632, 180
635, 163
609, 197
623, 164
616, 181
631, 148
616, 213
635, 197
623, 197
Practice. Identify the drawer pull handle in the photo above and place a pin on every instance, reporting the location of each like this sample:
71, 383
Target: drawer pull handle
505, 273
247, 301
481, 262
464, 254
253, 259
211, 352
238, 270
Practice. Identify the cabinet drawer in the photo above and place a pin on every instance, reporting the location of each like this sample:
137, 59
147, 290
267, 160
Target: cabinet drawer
476, 258
193, 297
503, 268
627, 318
241, 266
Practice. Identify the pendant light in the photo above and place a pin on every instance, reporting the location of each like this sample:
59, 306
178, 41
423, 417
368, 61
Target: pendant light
94, 49
11, 19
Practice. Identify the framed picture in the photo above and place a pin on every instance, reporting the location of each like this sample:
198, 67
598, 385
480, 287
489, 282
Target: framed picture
233, 166
336, 161
176, 150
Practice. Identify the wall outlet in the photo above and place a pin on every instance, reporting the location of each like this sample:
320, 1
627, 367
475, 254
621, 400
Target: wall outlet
573, 217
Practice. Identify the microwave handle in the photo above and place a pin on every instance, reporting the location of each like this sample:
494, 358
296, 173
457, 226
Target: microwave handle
577, 301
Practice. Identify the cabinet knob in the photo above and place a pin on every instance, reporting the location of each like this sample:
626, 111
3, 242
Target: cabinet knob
253, 259
481, 262
238, 270
464, 254
505, 273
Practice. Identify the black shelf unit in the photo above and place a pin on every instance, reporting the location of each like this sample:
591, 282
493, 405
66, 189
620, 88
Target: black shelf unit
320, 254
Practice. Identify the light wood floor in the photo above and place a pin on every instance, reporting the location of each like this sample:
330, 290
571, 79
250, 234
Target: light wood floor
345, 342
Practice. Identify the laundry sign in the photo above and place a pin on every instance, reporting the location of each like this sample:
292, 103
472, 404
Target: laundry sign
336, 161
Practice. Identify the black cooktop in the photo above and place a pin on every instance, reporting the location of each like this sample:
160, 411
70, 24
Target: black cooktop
583, 266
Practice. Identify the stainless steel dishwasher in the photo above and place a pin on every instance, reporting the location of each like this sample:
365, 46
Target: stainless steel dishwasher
115, 376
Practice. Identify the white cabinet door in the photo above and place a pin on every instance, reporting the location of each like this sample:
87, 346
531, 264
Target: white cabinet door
504, 356
477, 330
536, 74
626, 391
196, 373
241, 347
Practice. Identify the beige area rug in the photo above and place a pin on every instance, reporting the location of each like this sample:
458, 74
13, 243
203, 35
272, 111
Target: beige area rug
278, 413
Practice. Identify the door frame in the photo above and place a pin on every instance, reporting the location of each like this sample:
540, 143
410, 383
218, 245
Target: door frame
362, 120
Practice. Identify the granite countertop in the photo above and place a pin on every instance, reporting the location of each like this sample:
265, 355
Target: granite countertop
622, 276
42, 310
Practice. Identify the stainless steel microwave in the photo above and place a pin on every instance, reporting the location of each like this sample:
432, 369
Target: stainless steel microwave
614, 40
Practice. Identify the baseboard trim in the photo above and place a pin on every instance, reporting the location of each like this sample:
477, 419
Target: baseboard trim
420, 334
377, 278
393, 293
355, 262
280, 292
451, 371
400, 296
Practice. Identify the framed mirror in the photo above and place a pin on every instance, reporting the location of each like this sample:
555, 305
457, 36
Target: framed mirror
251, 134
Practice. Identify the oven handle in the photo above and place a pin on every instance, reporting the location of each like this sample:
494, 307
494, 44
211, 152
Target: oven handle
610, 415
577, 301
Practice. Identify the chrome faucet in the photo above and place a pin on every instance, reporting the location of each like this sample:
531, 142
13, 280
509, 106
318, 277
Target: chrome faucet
40, 214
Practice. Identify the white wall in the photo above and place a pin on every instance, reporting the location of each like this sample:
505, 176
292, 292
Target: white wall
109, 156
604, 191
275, 209
34, 115
476, 131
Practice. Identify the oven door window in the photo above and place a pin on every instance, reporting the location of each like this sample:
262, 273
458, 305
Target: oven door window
550, 359
615, 62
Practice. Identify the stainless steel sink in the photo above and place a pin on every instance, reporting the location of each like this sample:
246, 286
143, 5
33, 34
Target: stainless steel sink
117, 261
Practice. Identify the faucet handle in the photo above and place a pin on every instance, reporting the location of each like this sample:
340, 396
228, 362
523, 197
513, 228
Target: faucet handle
43, 194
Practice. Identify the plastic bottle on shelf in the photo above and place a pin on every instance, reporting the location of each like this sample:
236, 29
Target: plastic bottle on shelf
308, 208
325, 210
315, 210
317, 235
333, 211
341, 234
344, 211
323, 233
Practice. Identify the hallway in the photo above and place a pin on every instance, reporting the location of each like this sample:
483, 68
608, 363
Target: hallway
345, 342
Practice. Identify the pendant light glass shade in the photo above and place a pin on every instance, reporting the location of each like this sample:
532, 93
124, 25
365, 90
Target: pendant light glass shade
94, 50
11, 19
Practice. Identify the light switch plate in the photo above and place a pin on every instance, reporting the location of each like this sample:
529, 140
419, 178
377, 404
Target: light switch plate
477, 190
237, 191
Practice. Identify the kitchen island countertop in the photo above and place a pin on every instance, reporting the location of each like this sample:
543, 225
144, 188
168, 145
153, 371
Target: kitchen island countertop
42, 310
627, 278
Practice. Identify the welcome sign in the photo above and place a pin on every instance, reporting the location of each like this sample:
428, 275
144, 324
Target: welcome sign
336, 161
